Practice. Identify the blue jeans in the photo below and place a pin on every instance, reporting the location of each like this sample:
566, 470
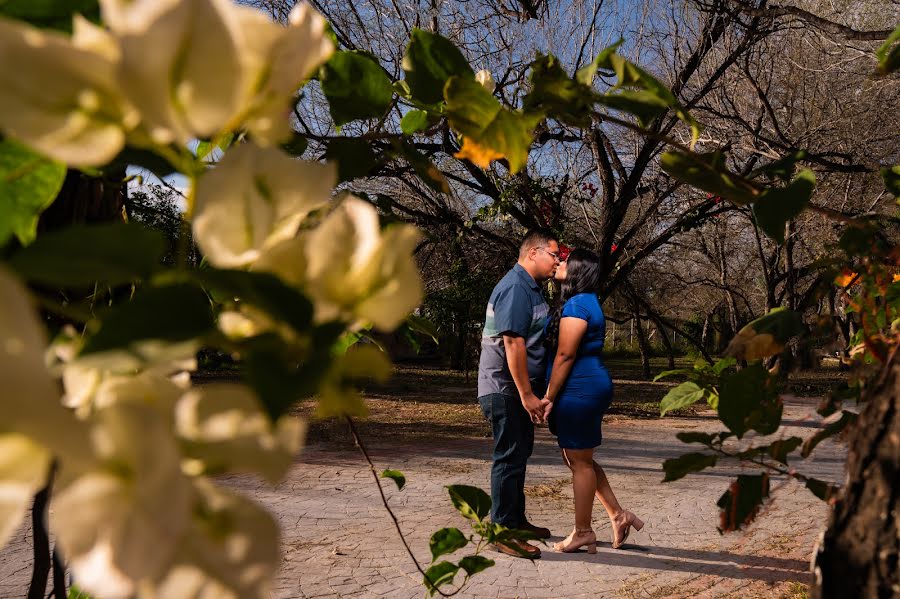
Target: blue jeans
513, 434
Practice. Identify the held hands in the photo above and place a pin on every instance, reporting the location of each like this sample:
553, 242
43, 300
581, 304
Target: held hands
538, 408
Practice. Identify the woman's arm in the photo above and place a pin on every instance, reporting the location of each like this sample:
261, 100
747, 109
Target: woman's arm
571, 330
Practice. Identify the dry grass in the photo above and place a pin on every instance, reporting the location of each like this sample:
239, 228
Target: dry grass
552, 490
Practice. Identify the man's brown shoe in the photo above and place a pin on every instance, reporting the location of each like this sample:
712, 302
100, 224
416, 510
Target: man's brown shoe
538, 531
525, 550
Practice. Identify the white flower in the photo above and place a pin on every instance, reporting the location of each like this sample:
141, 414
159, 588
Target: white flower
277, 61
485, 78
231, 550
121, 522
356, 271
253, 199
59, 94
23, 471
224, 429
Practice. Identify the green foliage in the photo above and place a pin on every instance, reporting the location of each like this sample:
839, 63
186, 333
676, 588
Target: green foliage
396, 476
703, 383
777, 206
424, 167
708, 172
690, 462
491, 131
438, 575
356, 87
431, 60
446, 541
891, 177
889, 54
354, 157
741, 502
170, 313
473, 564
29, 183
414, 121
748, 401
50, 14
471, 502
107, 254
767, 335
556, 95
685, 394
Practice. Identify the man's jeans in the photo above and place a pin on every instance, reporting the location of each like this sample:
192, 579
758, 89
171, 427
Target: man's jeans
513, 442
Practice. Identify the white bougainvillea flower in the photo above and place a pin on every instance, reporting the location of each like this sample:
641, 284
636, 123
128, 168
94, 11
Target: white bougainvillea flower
23, 471
278, 61
253, 199
180, 65
62, 98
231, 550
338, 395
355, 271
485, 78
121, 521
224, 429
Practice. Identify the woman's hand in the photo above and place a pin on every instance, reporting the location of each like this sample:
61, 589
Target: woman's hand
548, 407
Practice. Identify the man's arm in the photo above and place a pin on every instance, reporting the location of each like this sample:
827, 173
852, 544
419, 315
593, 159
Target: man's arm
517, 360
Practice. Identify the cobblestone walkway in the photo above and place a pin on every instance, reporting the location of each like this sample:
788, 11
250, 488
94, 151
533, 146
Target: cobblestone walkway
340, 542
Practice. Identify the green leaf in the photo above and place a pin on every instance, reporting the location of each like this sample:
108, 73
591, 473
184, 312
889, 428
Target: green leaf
207, 147
741, 502
777, 206
471, 502
414, 120
438, 575
490, 130
171, 313
585, 74
356, 87
554, 94
50, 14
29, 183
355, 157
676, 372
420, 324
681, 466
829, 430
81, 255
446, 540
780, 449
707, 439
891, 177
821, 489
723, 364
473, 564
643, 104
683, 395
431, 60
889, 54
708, 172
396, 476
748, 401
767, 335
783, 168
261, 290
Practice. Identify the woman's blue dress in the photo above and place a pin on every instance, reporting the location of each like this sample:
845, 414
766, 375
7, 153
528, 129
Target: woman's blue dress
585, 396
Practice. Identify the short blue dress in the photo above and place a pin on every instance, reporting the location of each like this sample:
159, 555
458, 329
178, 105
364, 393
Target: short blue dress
586, 395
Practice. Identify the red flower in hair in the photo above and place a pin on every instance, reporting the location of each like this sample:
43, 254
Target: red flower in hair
564, 252
613, 248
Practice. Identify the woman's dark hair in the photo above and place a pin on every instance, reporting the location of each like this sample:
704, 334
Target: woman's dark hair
582, 276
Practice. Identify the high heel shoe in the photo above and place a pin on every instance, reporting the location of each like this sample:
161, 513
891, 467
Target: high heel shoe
580, 537
622, 525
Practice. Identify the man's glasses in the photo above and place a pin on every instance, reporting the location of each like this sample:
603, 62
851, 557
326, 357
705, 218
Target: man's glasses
554, 255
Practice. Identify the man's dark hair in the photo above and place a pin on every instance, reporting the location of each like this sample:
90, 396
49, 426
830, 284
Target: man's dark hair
582, 276
536, 238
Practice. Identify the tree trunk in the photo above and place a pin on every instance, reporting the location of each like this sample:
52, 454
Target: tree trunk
858, 556
85, 200
642, 343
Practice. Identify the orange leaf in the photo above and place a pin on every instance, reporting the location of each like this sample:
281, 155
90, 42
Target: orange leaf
479, 155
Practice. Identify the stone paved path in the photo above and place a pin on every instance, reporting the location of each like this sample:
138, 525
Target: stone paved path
340, 542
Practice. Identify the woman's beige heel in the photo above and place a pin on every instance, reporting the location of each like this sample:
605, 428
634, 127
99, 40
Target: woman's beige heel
622, 526
570, 544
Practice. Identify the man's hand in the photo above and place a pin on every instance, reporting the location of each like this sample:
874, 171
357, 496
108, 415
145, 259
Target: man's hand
534, 406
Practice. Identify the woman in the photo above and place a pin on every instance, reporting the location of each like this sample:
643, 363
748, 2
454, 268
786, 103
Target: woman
579, 392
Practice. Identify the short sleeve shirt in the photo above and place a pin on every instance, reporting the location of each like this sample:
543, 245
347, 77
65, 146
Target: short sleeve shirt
516, 307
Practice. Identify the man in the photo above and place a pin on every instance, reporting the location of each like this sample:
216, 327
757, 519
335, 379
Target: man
511, 380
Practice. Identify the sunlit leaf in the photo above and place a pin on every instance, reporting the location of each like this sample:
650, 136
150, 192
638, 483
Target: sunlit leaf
556, 95
445, 541
490, 131
741, 502
438, 575
431, 60
356, 87
708, 172
683, 395
413, 121
471, 502
396, 476
891, 177
29, 183
766, 336
889, 54
473, 564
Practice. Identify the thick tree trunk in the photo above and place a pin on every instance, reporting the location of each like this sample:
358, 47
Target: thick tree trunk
858, 556
85, 200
